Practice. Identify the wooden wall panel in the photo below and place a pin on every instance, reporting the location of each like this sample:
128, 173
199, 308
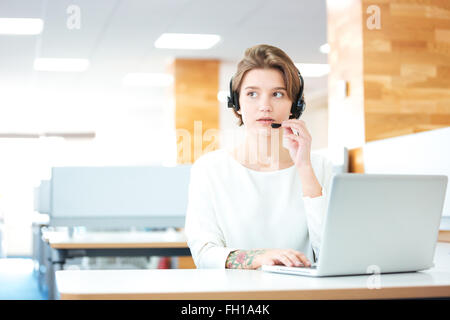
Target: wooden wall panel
196, 106
398, 71
356, 160
406, 68
196, 113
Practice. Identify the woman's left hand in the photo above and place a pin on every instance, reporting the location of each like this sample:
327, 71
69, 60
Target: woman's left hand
299, 146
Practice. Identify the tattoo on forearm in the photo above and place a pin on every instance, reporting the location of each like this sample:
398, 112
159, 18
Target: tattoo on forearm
242, 259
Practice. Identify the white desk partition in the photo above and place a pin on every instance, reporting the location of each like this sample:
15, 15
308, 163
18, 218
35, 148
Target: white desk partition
420, 153
42, 197
153, 196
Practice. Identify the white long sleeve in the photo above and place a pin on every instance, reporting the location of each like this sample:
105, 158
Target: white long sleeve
317, 207
205, 239
232, 207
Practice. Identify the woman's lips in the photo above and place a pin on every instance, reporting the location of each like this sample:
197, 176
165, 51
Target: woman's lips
265, 122
272, 123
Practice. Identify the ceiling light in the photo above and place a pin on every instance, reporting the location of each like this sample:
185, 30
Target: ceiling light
61, 135
186, 41
325, 48
147, 80
21, 26
313, 70
61, 65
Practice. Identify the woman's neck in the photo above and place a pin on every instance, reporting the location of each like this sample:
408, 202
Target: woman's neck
264, 152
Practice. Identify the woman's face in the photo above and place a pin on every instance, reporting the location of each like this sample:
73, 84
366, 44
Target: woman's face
263, 95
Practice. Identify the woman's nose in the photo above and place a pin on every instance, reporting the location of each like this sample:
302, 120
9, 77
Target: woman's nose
265, 108
265, 97
265, 104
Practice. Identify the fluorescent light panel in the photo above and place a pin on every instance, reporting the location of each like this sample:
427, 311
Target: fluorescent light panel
313, 70
147, 80
187, 41
21, 26
61, 65
65, 135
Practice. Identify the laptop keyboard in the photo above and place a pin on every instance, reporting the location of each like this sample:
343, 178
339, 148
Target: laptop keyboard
313, 266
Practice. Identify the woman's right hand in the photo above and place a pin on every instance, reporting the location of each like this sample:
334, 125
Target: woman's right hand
253, 259
287, 257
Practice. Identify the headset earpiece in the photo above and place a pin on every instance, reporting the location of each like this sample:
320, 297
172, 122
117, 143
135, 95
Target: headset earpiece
299, 106
233, 98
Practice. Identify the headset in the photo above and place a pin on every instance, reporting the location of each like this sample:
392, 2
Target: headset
297, 107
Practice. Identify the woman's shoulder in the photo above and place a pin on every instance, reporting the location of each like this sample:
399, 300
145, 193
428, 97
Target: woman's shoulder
211, 165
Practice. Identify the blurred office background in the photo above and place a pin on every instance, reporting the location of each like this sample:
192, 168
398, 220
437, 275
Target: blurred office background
101, 83
93, 116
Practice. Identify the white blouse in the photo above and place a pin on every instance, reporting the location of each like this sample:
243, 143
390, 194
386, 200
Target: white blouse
232, 207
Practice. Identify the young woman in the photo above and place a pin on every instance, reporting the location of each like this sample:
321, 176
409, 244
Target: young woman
264, 201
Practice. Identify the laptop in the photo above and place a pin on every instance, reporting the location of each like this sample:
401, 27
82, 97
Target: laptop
377, 223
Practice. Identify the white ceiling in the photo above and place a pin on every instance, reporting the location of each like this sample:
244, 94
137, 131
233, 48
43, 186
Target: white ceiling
118, 36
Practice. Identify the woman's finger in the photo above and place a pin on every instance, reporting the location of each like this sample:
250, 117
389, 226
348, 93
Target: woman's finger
285, 260
299, 126
302, 131
287, 130
294, 127
303, 259
295, 259
294, 137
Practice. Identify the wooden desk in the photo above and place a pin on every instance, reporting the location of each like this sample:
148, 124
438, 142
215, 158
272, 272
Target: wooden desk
62, 246
251, 284
444, 235
113, 240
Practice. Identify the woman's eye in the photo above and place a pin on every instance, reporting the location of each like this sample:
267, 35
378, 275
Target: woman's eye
278, 94
251, 94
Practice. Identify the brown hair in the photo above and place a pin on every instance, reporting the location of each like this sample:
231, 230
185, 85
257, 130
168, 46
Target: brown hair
264, 56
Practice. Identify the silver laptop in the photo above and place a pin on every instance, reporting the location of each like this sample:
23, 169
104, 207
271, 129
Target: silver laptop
378, 223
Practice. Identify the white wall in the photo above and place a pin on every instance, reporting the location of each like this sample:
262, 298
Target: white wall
420, 153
